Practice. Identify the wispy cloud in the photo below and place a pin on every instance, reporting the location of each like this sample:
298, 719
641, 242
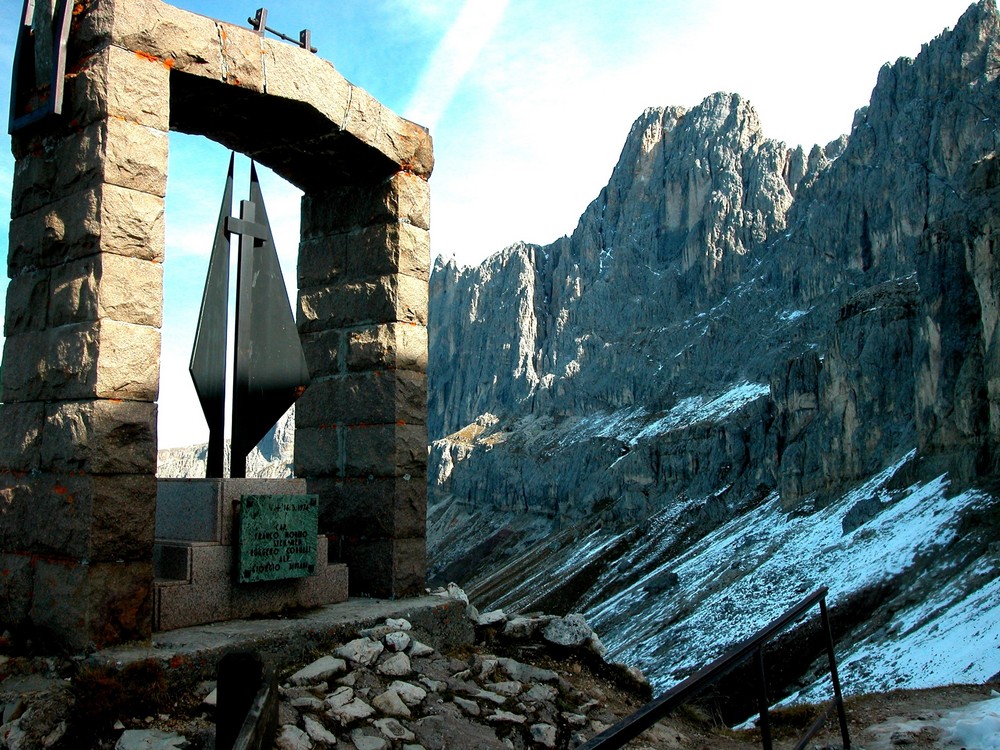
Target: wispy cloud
453, 59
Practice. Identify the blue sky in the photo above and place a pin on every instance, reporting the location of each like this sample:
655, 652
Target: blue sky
529, 103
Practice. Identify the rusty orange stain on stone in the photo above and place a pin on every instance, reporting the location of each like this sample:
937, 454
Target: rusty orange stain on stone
167, 62
60, 490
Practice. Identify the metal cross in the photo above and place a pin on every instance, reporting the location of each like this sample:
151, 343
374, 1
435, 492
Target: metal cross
270, 369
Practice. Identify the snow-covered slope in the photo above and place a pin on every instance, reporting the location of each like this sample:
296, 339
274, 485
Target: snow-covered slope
750, 371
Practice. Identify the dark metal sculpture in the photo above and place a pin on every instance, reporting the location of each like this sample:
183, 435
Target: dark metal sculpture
270, 368
39, 69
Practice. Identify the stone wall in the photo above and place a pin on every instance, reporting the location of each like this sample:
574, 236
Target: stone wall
84, 306
361, 427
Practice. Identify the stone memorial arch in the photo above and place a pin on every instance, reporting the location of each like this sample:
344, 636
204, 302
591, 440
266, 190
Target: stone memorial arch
84, 306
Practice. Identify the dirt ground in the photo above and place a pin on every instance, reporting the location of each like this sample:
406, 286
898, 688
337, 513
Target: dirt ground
881, 721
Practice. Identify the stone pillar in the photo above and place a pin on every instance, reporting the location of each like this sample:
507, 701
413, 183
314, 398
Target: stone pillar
361, 431
81, 358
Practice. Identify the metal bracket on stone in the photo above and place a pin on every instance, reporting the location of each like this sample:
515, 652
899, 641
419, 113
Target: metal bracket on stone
259, 24
39, 69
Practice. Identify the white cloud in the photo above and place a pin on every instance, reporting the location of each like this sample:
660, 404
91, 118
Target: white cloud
533, 133
454, 57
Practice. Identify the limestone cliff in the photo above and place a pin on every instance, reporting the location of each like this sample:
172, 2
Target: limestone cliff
739, 340
272, 458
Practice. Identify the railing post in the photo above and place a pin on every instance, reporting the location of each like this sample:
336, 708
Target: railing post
762, 702
618, 735
838, 696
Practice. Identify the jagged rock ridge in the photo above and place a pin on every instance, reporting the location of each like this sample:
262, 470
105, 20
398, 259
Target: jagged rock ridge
740, 340
272, 458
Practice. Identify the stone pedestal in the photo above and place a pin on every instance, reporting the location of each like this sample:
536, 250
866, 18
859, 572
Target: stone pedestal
195, 553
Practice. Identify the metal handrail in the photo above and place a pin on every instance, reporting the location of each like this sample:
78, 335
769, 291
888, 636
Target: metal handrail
632, 726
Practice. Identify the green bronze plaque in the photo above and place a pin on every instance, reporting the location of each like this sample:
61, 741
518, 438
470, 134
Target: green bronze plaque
277, 537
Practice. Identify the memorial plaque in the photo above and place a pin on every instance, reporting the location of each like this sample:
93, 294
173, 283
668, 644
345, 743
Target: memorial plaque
277, 537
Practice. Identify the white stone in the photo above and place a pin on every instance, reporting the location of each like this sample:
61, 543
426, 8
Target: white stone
362, 651
367, 742
308, 702
435, 686
487, 668
570, 631
493, 617
399, 623
392, 729
138, 739
527, 673
317, 732
411, 695
212, 699
376, 633
506, 717
17, 738
455, 592
344, 706
340, 697
510, 688
420, 649
319, 671
292, 738
595, 645
489, 696
637, 675
541, 693
544, 734
574, 720
397, 665
524, 628
469, 707
391, 704
397, 641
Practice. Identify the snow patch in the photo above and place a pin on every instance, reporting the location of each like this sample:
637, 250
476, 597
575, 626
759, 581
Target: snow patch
976, 725
633, 424
789, 315
747, 572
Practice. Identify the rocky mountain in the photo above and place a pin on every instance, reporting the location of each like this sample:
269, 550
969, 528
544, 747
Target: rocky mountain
751, 370
272, 458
